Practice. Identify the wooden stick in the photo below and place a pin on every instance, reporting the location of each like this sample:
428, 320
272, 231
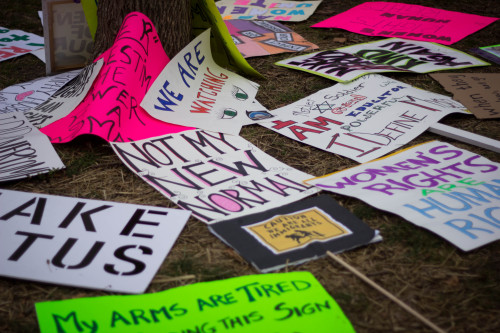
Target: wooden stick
385, 292
465, 136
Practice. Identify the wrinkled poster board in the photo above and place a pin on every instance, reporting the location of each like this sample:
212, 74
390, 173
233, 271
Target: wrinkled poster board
84, 243
216, 176
24, 150
393, 19
292, 11
192, 90
447, 190
14, 43
294, 233
260, 38
387, 55
111, 108
364, 119
479, 92
286, 302
68, 42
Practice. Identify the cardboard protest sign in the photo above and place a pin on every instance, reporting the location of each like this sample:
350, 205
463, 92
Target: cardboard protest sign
393, 19
206, 16
294, 233
388, 55
111, 109
292, 11
14, 43
449, 191
64, 100
364, 119
216, 176
68, 42
260, 38
24, 150
84, 243
192, 90
479, 92
286, 302
27, 95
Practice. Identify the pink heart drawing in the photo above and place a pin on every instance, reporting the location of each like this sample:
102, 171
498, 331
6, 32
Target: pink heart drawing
23, 95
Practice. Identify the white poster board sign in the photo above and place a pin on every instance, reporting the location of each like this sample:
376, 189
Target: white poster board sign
14, 43
363, 119
216, 176
447, 190
84, 243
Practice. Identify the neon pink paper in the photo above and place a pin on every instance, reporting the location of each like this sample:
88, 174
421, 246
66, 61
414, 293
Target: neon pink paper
112, 108
401, 20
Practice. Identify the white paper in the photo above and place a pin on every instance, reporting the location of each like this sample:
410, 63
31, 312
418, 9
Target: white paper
216, 176
24, 151
14, 43
364, 119
447, 190
84, 243
192, 90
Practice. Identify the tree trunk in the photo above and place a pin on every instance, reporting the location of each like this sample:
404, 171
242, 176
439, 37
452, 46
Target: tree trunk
171, 18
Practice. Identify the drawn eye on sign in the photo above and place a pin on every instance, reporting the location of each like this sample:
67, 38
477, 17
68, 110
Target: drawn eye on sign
239, 93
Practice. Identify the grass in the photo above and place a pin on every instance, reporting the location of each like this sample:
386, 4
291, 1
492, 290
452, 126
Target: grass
458, 291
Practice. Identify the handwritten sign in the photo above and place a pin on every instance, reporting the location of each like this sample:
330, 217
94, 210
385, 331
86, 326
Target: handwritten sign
392, 19
27, 95
84, 243
216, 176
286, 302
260, 38
479, 92
64, 100
111, 109
192, 90
294, 233
24, 150
14, 43
449, 191
388, 55
364, 119
293, 11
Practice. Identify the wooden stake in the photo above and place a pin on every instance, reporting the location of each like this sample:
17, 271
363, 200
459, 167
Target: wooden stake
385, 292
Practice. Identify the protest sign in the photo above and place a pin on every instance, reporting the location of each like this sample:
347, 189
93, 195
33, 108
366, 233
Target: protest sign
206, 16
68, 42
447, 190
364, 119
111, 109
216, 176
24, 150
294, 233
260, 38
387, 55
192, 90
286, 302
492, 53
90, 10
64, 100
27, 95
292, 11
14, 43
392, 19
479, 92
84, 243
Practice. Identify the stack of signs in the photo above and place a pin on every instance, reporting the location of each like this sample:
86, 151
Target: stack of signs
292, 11
216, 176
387, 55
407, 21
364, 119
24, 150
260, 38
437, 186
84, 243
294, 233
287, 302
192, 90
27, 95
14, 43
